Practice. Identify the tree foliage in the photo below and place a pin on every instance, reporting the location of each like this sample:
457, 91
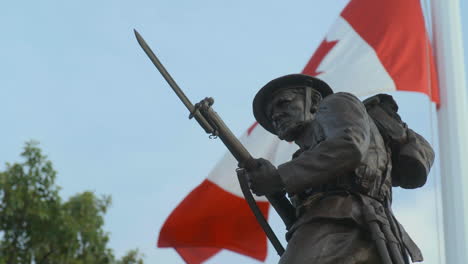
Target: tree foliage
132, 257
36, 226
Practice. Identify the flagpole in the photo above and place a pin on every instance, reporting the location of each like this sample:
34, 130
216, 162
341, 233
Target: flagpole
453, 131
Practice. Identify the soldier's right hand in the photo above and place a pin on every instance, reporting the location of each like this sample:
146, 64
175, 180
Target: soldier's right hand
264, 179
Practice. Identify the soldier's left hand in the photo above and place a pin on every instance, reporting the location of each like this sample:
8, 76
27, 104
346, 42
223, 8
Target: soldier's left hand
264, 179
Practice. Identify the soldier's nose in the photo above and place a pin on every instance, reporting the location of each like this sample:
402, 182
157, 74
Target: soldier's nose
277, 115
277, 119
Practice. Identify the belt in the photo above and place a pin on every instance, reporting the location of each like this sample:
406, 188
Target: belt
323, 189
303, 204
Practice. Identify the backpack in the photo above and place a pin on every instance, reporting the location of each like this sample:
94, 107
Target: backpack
412, 156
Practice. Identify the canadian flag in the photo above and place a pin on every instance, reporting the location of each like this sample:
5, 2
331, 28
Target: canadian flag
215, 216
374, 46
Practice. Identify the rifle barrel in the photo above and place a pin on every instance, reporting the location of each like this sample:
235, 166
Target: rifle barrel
240, 153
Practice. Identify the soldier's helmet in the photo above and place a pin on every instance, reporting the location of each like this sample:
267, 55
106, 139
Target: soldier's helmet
266, 93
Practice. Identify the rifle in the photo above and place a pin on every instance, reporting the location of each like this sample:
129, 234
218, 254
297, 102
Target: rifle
210, 121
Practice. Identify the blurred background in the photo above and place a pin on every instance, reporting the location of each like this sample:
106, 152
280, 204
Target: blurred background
73, 78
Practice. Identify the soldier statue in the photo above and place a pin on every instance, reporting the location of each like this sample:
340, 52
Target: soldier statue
339, 182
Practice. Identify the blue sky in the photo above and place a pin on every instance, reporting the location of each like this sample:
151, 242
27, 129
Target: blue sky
73, 77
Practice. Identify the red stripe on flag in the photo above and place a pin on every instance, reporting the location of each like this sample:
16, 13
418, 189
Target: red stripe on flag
210, 217
395, 30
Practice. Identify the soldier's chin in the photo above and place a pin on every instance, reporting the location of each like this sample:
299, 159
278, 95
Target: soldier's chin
291, 133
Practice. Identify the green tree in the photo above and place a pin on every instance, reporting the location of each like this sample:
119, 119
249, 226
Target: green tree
132, 257
37, 227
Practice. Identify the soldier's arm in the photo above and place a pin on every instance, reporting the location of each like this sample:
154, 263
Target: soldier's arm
346, 128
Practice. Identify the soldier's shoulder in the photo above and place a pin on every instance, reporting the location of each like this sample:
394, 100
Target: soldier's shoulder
342, 100
342, 96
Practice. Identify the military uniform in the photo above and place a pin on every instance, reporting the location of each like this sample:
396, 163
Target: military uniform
332, 226
340, 180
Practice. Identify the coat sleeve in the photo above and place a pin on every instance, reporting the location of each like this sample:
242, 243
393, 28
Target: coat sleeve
345, 125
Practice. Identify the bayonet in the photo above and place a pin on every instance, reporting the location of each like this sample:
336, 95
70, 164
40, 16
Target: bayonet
202, 121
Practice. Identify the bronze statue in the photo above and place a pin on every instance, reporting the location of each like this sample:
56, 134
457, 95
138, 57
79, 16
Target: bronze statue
340, 180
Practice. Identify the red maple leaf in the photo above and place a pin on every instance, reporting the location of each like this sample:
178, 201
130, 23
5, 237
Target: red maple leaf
320, 53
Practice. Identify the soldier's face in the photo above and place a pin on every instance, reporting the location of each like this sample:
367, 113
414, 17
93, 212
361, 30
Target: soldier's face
286, 111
